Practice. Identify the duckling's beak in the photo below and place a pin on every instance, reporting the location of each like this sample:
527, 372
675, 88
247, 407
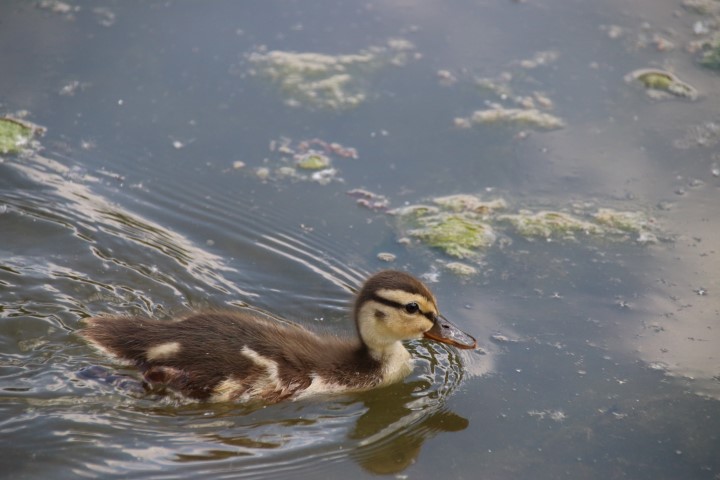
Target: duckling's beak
445, 332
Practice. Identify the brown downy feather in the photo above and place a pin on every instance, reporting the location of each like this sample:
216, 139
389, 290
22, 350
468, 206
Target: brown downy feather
209, 352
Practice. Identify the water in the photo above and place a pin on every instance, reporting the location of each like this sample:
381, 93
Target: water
599, 358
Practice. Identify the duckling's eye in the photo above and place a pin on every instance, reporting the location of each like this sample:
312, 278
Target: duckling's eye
412, 307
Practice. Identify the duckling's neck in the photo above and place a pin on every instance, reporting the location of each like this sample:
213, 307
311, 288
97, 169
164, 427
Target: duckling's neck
394, 360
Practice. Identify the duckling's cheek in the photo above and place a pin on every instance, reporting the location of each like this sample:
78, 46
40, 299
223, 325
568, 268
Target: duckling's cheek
163, 351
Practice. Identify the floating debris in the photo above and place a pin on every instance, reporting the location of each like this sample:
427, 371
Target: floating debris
461, 269
705, 135
660, 84
305, 160
104, 16
56, 6
499, 86
662, 44
540, 59
72, 87
16, 134
522, 108
324, 177
446, 78
554, 415
334, 82
369, 200
263, 173
613, 31
501, 338
386, 257
700, 291
530, 117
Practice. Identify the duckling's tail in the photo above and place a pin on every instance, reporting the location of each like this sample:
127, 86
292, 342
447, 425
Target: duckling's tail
125, 337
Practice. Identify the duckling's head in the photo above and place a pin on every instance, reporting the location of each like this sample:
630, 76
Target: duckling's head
393, 306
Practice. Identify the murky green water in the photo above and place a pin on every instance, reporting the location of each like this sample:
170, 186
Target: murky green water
598, 356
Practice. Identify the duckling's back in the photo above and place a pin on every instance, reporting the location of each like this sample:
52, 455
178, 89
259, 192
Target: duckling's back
234, 356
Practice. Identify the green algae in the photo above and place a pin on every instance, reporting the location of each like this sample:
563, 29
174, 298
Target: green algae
414, 211
313, 161
307, 160
631, 222
524, 117
514, 104
549, 224
660, 84
457, 225
459, 236
710, 58
470, 203
656, 80
466, 226
14, 135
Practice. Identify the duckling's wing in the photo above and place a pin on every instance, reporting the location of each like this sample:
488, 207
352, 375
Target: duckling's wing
219, 356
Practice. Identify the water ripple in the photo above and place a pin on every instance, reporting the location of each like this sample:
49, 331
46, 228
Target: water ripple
114, 259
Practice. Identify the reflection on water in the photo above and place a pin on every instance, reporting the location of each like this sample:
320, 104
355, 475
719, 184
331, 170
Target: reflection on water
382, 430
391, 434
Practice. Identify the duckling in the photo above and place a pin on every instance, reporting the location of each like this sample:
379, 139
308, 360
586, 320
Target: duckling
242, 356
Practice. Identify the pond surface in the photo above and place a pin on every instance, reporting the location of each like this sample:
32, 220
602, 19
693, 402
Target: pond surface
166, 180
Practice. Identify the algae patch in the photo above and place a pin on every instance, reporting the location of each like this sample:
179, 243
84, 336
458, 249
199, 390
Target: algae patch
632, 222
460, 236
461, 269
313, 160
549, 224
306, 160
530, 117
710, 56
514, 104
15, 135
604, 223
470, 203
457, 225
335, 82
466, 226
660, 84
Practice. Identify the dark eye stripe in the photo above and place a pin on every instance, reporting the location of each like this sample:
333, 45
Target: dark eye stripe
390, 303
